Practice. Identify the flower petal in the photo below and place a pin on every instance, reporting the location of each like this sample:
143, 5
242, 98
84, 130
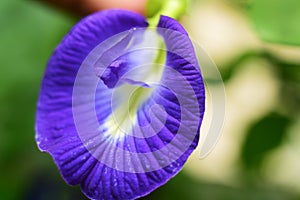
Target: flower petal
55, 129
79, 103
55, 100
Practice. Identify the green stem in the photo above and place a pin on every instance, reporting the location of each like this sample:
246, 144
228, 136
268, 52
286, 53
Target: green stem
171, 8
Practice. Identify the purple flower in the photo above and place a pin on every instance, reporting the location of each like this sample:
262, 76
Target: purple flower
114, 117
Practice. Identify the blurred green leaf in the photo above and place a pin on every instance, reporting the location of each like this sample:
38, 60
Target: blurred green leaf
229, 69
49, 186
289, 76
276, 20
263, 136
184, 187
28, 36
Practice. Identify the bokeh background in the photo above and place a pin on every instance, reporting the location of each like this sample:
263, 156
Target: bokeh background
256, 46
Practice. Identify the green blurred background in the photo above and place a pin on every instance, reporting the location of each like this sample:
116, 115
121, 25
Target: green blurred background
256, 46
